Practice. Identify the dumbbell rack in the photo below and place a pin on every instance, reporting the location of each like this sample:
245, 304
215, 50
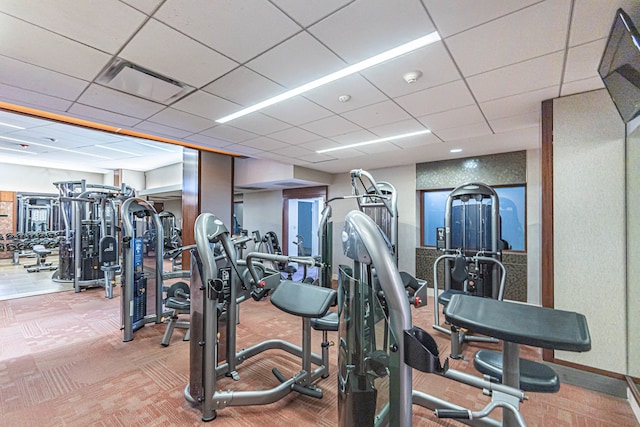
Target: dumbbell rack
22, 243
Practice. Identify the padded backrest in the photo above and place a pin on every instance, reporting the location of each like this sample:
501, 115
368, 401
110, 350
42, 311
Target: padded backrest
108, 249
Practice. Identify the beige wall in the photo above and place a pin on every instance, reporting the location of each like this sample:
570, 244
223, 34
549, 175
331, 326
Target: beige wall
589, 224
36, 179
633, 246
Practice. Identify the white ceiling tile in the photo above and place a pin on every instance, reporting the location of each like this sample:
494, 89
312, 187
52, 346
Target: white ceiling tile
316, 158
205, 105
526, 76
348, 153
592, 20
161, 130
515, 122
146, 6
381, 113
295, 136
319, 144
461, 132
434, 100
453, 118
417, 141
454, 16
293, 152
265, 144
297, 111
531, 32
579, 86
34, 45
259, 123
397, 128
366, 28
102, 116
518, 104
583, 61
240, 29
181, 120
305, 58
382, 147
244, 87
310, 11
432, 61
36, 79
331, 126
28, 98
362, 93
354, 137
118, 102
105, 25
174, 55
244, 150
229, 133
207, 141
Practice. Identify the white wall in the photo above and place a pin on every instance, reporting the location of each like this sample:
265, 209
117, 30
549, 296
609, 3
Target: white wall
164, 177
589, 223
33, 179
133, 179
175, 207
404, 179
534, 227
262, 211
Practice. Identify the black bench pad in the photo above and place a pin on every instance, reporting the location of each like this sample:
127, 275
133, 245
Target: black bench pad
301, 299
444, 298
178, 304
534, 376
329, 322
520, 323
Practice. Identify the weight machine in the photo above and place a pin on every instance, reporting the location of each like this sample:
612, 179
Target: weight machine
88, 214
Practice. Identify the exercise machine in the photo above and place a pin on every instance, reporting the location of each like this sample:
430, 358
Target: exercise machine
142, 273
88, 213
472, 245
215, 295
375, 375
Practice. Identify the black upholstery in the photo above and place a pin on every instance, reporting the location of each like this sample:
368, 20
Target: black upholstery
534, 376
302, 299
178, 303
444, 298
520, 323
329, 322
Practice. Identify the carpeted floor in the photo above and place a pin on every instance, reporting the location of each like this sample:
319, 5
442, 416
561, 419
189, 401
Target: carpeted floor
63, 363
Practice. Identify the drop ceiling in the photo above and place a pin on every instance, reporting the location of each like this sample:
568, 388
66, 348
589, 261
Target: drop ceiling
480, 90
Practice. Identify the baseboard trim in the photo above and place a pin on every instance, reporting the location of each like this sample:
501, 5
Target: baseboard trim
590, 380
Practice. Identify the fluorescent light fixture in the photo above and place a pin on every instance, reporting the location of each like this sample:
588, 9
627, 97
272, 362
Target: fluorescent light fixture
11, 126
157, 146
118, 150
374, 60
22, 141
374, 141
18, 151
456, 150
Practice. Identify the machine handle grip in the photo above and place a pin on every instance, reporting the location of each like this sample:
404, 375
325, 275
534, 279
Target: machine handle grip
459, 414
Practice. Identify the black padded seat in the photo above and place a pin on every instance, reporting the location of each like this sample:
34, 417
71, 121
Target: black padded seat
534, 376
444, 298
329, 322
303, 300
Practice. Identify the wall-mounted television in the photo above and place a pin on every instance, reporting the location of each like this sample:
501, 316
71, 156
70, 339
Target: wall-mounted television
620, 66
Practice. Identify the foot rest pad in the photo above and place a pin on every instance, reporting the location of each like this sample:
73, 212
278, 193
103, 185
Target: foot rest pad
534, 376
301, 299
327, 323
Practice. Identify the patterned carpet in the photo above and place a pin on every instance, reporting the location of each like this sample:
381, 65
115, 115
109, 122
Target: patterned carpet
63, 363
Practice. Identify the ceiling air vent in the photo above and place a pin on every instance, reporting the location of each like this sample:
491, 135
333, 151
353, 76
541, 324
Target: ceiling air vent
135, 80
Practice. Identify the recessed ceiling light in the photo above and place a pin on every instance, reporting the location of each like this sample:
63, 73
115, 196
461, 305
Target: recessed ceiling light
53, 148
370, 62
375, 141
455, 150
11, 126
18, 151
